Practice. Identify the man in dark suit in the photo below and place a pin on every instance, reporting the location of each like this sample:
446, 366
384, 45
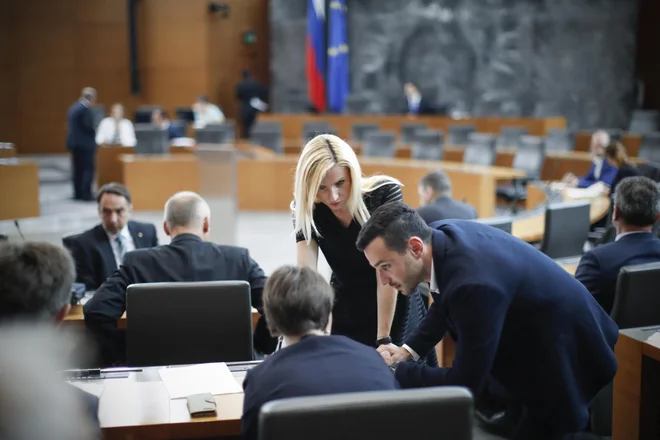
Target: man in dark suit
636, 210
518, 318
99, 251
298, 303
35, 287
250, 93
80, 140
159, 118
435, 196
601, 170
189, 257
415, 102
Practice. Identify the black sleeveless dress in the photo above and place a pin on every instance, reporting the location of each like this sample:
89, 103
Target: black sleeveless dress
355, 313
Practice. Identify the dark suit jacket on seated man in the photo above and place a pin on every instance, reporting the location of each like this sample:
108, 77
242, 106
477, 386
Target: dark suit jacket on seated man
516, 316
187, 258
636, 210
298, 303
435, 196
98, 252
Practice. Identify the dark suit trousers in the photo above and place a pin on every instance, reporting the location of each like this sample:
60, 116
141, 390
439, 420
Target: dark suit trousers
532, 429
248, 118
82, 168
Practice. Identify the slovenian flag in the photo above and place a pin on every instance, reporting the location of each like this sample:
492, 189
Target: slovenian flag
337, 56
316, 53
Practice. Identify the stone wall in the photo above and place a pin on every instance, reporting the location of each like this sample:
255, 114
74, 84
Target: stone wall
574, 58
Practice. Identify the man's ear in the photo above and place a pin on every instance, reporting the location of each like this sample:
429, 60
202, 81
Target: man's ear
616, 213
166, 229
207, 225
416, 246
130, 208
59, 316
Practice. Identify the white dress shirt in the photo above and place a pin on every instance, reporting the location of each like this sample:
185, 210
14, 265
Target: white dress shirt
211, 115
128, 243
623, 234
598, 166
108, 130
413, 103
433, 287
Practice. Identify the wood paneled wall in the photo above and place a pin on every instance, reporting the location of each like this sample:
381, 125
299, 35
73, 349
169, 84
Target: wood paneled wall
50, 50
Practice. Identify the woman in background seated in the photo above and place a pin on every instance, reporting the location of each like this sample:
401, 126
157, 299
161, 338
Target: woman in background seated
615, 154
116, 129
298, 304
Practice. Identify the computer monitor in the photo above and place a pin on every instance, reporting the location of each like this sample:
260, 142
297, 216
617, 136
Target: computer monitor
151, 139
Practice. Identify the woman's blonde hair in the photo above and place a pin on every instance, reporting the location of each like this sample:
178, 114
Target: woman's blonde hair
321, 154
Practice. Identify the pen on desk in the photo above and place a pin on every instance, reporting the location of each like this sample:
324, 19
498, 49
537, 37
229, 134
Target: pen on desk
121, 370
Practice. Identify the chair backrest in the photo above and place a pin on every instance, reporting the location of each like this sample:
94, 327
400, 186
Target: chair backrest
215, 134
502, 223
644, 121
566, 229
650, 148
151, 139
560, 139
480, 149
509, 136
268, 135
143, 113
379, 144
459, 134
188, 323
530, 155
185, 114
356, 105
312, 129
637, 301
359, 132
427, 145
439, 413
408, 131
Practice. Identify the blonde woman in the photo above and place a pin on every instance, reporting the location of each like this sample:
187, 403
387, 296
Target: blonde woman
332, 200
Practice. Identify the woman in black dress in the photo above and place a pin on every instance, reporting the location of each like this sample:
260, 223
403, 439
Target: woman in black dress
332, 200
615, 154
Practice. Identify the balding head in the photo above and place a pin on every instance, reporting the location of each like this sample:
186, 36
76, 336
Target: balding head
89, 94
187, 213
599, 141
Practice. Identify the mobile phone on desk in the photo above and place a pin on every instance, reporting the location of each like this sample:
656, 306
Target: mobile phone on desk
201, 405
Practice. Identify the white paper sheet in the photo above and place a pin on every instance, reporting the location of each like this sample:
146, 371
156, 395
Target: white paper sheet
214, 378
595, 190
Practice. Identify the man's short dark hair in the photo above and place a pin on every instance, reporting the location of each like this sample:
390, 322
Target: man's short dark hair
114, 188
638, 201
438, 181
203, 98
35, 279
396, 223
297, 300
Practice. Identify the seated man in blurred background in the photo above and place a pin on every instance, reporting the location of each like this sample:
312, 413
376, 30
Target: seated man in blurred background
636, 209
298, 306
115, 129
160, 119
189, 257
207, 113
35, 287
435, 197
99, 251
415, 102
601, 170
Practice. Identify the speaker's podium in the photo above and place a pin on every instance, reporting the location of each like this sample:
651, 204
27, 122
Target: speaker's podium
108, 167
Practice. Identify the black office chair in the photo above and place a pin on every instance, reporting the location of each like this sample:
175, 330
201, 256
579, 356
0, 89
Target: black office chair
188, 323
530, 156
636, 304
650, 148
379, 144
185, 114
459, 134
501, 223
566, 229
510, 136
560, 139
143, 113
409, 130
480, 150
98, 114
215, 134
151, 139
357, 105
313, 129
438, 413
360, 131
427, 145
268, 135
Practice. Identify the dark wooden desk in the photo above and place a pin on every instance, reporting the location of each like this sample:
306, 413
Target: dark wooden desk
636, 405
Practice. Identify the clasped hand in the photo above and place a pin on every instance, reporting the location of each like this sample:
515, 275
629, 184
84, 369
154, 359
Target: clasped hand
392, 353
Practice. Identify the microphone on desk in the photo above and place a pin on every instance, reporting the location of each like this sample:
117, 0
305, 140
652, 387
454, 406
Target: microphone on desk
18, 228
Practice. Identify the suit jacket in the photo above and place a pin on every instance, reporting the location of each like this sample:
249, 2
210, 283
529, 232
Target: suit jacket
607, 175
599, 268
518, 317
624, 171
245, 91
425, 107
175, 130
92, 251
445, 208
316, 365
81, 132
186, 258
